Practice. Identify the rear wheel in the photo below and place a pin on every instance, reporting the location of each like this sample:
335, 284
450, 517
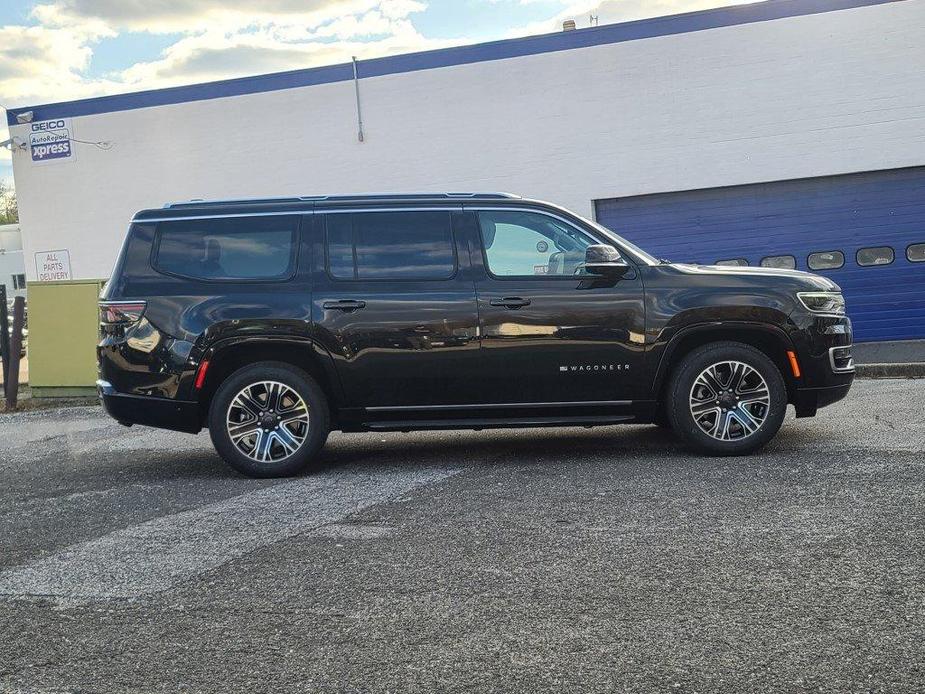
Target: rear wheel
727, 398
269, 419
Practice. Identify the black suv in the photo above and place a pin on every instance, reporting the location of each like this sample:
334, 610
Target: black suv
273, 321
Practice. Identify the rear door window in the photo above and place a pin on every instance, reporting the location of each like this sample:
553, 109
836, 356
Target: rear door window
232, 249
411, 245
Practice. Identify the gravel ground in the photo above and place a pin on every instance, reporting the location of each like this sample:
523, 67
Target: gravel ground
566, 560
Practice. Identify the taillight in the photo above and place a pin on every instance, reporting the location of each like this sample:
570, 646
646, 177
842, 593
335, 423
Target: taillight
121, 313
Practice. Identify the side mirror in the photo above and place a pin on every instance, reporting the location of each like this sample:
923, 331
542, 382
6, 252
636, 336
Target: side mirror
604, 260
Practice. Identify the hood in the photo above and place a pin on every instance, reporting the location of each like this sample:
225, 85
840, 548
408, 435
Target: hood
808, 279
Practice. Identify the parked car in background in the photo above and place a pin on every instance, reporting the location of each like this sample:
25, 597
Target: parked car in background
272, 322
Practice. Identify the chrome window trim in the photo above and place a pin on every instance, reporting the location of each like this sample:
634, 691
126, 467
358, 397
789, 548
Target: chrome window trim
397, 208
338, 210
370, 197
184, 218
460, 207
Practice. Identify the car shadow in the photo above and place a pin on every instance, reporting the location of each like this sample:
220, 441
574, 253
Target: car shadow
497, 446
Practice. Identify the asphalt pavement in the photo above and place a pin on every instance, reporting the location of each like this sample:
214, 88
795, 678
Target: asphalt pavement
563, 560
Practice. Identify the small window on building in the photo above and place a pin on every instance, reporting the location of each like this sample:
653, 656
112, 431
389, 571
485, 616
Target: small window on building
19, 281
785, 262
234, 249
738, 262
916, 253
391, 245
880, 255
825, 260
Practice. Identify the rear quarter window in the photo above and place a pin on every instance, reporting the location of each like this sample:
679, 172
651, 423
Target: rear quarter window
231, 249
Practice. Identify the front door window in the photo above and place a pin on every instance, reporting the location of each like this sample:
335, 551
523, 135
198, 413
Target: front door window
527, 244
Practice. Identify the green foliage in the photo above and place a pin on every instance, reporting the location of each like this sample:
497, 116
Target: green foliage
9, 210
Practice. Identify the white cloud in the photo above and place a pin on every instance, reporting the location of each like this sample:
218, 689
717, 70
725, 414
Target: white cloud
224, 38
612, 11
218, 54
214, 55
44, 63
229, 38
5, 155
191, 16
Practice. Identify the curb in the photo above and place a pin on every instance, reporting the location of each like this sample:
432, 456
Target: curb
34, 404
885, 370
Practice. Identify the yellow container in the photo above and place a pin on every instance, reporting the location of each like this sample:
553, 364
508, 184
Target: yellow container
63, 330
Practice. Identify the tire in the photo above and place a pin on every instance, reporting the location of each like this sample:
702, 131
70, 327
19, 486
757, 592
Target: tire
270, 440
729, 420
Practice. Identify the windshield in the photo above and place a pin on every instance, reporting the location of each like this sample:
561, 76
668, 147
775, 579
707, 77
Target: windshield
639, 254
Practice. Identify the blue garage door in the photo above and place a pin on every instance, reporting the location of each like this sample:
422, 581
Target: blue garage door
865, 231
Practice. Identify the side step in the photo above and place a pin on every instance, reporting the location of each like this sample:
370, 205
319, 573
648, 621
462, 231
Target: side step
497, 423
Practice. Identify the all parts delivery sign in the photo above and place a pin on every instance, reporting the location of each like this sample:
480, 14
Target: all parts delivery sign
53, 266
52, 140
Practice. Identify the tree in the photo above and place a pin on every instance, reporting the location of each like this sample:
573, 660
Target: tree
9, 210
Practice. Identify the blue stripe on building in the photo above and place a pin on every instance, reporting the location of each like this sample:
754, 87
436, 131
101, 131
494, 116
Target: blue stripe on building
833, 213
446, 57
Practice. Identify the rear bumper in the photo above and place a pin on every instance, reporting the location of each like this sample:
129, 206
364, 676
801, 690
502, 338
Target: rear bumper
808, 400
163, 413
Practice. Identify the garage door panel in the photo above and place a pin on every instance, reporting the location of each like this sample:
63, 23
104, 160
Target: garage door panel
835, 213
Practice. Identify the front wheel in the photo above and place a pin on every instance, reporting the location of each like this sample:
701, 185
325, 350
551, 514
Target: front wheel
727, 398
269, 419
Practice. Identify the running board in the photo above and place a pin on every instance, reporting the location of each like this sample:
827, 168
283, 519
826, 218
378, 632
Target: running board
497, 423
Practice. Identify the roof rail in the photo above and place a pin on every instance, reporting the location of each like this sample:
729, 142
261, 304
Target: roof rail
195, 202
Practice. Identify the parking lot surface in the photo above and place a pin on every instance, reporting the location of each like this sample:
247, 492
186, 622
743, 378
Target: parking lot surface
133, 560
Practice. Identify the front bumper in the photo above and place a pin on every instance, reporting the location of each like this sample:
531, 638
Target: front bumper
809, 400
823, 345
162, 413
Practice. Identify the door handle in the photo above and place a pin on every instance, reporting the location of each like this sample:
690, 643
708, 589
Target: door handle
510, 302
345, 304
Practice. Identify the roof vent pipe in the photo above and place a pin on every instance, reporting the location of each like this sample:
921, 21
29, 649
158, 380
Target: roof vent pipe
568, 25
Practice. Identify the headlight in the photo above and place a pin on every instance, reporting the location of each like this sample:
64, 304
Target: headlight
823, 302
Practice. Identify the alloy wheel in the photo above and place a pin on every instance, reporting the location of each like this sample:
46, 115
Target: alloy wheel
267, 421
729, 400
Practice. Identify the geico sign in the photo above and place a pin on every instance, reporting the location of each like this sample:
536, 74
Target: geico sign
47, 125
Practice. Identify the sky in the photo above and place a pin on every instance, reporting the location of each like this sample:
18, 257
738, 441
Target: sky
57, 50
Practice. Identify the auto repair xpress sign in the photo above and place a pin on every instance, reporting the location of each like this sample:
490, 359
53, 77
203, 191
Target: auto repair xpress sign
52, 140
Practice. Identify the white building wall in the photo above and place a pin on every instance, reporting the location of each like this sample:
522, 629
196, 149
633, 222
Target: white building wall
822, 94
